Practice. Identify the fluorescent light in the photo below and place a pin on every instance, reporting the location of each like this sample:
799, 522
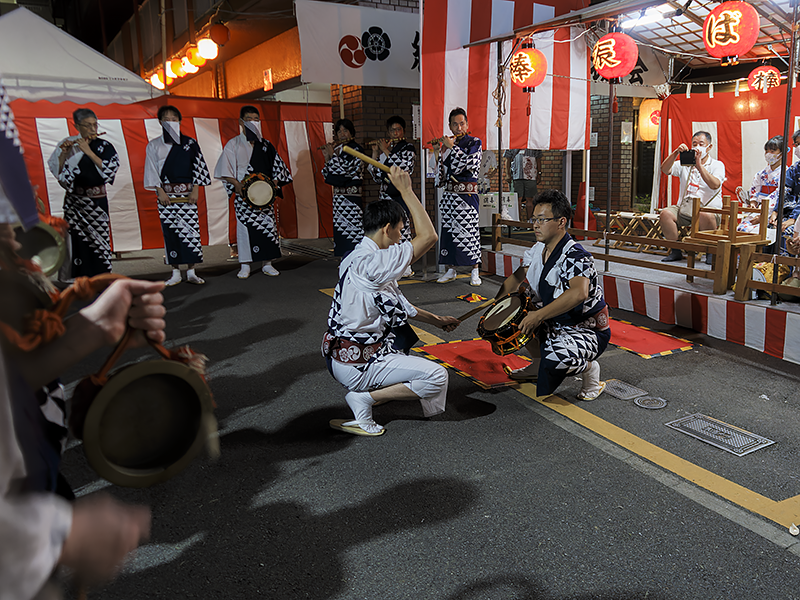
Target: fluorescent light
651, 15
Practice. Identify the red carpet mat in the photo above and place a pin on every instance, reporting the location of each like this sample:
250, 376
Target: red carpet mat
475, 360
645, 342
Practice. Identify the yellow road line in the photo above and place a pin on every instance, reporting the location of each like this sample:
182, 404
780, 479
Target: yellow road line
784, 512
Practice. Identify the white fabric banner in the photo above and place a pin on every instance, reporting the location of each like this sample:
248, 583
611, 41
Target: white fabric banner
355, 45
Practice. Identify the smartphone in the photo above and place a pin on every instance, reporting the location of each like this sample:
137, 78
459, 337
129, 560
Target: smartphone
688, 157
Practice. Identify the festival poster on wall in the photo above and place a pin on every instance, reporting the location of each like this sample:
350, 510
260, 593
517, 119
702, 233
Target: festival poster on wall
354, 45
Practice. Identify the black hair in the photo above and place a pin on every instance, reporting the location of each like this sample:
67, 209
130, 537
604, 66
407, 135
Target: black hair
167, 108
81, 114
558, 203
347, 124
455, 112
380, 213
795, 135
396, 119
705, 134
774, 143
247, 110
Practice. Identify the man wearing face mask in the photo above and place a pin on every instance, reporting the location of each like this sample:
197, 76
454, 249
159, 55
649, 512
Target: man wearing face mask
256, 229
175, 169
701, 180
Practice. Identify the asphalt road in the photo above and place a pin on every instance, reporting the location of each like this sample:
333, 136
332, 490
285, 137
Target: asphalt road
504, 496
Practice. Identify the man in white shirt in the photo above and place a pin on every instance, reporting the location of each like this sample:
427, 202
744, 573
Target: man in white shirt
368, 338
701, 180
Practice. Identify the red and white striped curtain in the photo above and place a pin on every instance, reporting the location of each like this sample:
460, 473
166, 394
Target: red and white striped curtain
453, 76
296, 130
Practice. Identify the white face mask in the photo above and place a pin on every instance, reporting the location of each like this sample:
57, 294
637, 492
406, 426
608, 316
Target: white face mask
772, 159
174, 130
797, 152
703, 151
255, 127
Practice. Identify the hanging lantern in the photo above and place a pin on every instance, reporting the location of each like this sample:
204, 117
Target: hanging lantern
615, 55
176, 67
193, 55
730, 31
649, 119
528, 67
219, 34
763, 78
207, 49
188, 67
156, 81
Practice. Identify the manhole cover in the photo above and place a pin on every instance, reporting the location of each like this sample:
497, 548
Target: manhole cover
650, 402
623, 391
728, 437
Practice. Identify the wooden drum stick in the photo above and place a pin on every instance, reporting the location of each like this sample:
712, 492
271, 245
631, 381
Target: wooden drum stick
365, 158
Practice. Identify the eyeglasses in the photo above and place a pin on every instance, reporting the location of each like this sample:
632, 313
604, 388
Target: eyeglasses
540, 220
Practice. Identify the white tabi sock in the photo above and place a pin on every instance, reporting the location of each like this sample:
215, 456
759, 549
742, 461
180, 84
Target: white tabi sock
175, 279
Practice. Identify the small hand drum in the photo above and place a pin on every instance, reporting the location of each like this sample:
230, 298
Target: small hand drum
43, 245
500, 324
258, 191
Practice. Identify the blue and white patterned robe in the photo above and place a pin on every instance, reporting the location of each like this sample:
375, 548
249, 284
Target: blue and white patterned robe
344, 172
579, 335
167, 163
86, 206
460, 242
402, 155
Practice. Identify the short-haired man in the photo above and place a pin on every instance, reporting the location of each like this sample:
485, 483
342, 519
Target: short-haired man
175, 169
702, 180
523, 173
368, 338
396, 151
256, 230
459, 166
344, 172
570, 316
84, 164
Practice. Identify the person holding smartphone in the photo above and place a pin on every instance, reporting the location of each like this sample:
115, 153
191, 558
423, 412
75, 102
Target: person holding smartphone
701, 178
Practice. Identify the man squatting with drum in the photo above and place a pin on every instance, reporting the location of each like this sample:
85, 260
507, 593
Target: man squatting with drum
84, 164
249, 153
394, 152
175, 169
459, 165
569, 317
344, 172
368, 338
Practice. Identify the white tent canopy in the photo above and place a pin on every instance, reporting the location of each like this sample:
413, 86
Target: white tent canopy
38, 61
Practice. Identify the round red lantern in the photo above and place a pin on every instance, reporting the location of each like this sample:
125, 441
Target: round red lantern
763, 78
193, 54
176, 67
730, 31
220, 34
528, 68
615, 55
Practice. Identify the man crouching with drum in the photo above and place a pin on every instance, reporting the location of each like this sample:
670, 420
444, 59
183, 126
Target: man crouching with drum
368, 338
569, 316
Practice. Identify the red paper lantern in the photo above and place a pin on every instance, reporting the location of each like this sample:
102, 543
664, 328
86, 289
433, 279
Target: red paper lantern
730, 31
193, 54
528, 68
220, 34
176, 67
763, 78
615, 55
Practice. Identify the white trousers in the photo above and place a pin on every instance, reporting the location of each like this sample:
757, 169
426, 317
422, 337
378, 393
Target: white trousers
424, 377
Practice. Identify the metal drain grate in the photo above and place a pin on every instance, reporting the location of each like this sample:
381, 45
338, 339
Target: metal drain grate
727, 437
652, 402
623, 391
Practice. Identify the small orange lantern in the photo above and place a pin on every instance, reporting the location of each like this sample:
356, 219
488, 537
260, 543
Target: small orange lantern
193, 55
219, 34
649, 119
208, 49
528, 67
176, 67
763, 78
615, 55
188, 67
730, 31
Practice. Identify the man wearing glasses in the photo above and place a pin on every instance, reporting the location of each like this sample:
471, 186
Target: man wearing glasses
568, 320
84, 164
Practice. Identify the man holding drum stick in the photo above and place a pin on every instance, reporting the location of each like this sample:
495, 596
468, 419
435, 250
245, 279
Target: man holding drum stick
368, 338
570, 319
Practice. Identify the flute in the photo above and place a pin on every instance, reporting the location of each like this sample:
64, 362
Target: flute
70, 143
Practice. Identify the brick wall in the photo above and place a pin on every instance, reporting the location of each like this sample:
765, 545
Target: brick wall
622, 162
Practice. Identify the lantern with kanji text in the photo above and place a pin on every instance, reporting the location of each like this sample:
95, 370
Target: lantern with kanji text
730, 31
763, 78
615, 55
649, 119
528, 67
